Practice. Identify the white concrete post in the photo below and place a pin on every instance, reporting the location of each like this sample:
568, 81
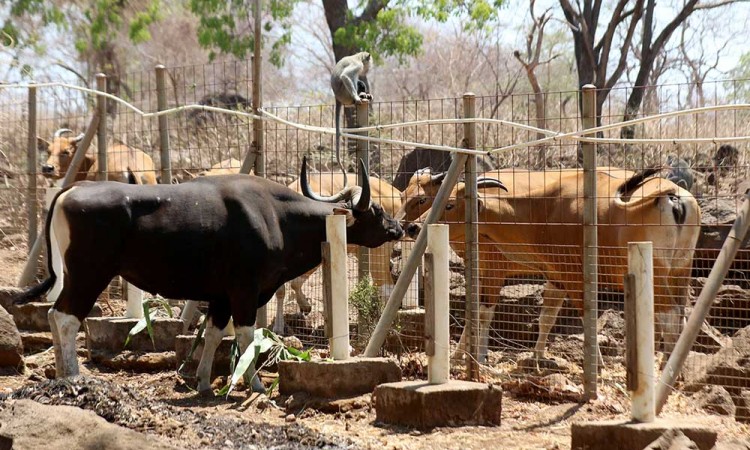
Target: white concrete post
411, 298
336, 236
438, 365
134, 309
640, 264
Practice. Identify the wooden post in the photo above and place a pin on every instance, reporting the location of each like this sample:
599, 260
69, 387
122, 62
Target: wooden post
363, 153
410, 267
438, 364
336, 236
29, 271
703, 304
255, 159
641, 266
429, 303
471, 258
590, 250
161, 105
101, 134
32, 165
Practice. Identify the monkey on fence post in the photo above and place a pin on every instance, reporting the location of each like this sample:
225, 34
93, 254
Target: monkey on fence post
349, 84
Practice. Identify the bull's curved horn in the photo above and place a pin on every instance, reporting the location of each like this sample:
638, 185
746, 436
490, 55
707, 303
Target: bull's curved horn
484, 182
79, 138
361, 202
61, 131
307, 192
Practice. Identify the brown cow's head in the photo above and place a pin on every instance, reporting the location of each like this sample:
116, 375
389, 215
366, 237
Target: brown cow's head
419, 194
60, 151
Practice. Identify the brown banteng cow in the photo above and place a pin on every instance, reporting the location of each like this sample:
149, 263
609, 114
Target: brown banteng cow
494, 267
225, 167
124, 163
534, 228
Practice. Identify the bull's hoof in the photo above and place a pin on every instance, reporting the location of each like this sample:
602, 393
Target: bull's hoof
206, 392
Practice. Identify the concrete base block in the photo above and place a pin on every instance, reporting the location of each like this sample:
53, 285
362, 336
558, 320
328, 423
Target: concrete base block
336, 379
183, 344
410, 336
105, 336
33, 316
36, 341
422, 405
621, 435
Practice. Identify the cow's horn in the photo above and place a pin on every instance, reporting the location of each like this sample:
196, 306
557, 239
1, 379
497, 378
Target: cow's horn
60, 132
438, 177
307, 192
79, 138
483, 183
361, 200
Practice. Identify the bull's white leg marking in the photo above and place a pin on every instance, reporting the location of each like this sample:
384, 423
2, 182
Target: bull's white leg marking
245, 336
552, 303
65, 327
59, 243
187, 314
278, 323
211, 340
59, 365
302, 301
486, 314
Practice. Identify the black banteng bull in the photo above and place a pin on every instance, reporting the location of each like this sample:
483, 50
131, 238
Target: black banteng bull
230, 240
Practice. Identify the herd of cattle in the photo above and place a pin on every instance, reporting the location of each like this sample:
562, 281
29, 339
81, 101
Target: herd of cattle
235, 240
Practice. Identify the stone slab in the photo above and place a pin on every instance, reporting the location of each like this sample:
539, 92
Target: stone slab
106, 336
621, 435
422, 405
183, 344
33, 316
336, 379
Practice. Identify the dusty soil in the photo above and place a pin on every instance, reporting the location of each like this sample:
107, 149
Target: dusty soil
537, 412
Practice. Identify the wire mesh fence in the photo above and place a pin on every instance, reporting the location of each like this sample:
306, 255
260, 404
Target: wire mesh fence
530, 248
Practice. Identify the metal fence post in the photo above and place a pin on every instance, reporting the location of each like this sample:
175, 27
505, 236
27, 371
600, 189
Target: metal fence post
31, 168
590, 249
363, 153
471, 259
101, 132
161, 104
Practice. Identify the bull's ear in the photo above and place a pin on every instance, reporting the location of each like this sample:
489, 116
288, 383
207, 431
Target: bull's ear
41, 144
345, 212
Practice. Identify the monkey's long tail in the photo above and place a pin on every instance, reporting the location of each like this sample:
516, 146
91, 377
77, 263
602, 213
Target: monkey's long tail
339, 108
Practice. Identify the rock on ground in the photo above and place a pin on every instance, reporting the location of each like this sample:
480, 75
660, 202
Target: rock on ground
31, 425
11, 347
715, 400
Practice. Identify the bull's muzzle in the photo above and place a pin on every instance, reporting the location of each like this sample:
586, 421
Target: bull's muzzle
48, 169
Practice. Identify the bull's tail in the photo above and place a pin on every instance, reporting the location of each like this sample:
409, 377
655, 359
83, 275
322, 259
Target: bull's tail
32, 293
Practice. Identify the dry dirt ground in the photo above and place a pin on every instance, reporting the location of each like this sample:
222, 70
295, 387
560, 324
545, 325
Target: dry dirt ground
164, 406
